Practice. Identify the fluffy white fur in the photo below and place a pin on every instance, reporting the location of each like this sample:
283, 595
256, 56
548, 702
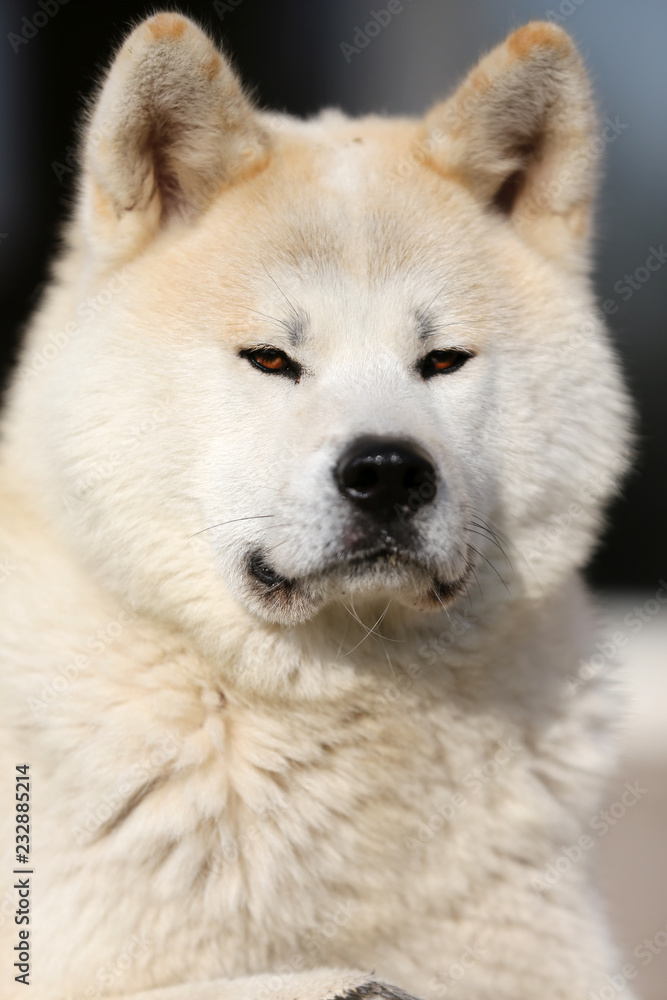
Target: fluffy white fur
238, 795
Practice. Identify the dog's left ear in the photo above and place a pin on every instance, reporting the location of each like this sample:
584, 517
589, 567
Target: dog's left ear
519, 134
171, 127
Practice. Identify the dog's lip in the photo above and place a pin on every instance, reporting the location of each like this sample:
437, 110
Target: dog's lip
392, 554
381, 543
381, 550
265, 574
384, 554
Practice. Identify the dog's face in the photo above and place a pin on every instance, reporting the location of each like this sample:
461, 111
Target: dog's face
360, 402
373, 348
350, 384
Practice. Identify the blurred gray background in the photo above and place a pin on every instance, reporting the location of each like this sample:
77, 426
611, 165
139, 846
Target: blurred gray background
52, 52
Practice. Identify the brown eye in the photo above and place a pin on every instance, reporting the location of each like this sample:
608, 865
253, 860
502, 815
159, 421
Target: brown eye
274, 362
270, 359
438, 362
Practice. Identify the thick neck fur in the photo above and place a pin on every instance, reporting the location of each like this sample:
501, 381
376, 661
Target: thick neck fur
395, 743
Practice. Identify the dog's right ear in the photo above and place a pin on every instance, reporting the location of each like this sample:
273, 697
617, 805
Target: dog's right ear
520, 135
170, 129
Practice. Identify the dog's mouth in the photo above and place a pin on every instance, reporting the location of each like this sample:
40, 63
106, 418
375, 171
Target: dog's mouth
383, 565
386, 550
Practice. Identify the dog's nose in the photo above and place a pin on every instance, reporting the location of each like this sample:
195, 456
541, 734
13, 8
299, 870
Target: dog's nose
387, 477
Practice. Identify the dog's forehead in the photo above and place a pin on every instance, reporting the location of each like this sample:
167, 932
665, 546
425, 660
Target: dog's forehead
343, 195
348, 158
342, 227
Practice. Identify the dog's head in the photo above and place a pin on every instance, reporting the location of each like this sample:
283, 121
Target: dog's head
306, 359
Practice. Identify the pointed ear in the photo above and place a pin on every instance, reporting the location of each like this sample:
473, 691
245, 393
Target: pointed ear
519, 133
171, 127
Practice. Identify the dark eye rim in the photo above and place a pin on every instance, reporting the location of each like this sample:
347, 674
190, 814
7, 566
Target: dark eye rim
291, 370
426, 365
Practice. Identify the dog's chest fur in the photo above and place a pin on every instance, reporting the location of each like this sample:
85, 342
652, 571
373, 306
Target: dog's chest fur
277, 831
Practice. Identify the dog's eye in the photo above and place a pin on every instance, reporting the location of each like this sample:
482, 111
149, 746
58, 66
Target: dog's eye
271, 359
438, 362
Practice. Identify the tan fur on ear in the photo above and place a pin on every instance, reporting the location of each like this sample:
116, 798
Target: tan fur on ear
171, 127
518, 133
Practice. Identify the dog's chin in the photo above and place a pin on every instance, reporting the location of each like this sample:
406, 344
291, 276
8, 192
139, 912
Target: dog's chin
375, 574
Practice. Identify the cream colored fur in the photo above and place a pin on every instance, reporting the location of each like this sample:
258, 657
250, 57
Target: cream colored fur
235, 796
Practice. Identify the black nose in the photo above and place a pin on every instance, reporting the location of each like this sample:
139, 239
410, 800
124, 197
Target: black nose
386, 476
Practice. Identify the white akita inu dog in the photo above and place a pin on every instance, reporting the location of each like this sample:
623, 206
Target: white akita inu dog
306, 445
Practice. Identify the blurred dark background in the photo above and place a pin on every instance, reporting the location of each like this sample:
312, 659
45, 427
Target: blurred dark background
52, 53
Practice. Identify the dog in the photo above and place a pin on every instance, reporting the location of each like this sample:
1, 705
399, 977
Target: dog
308, 442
